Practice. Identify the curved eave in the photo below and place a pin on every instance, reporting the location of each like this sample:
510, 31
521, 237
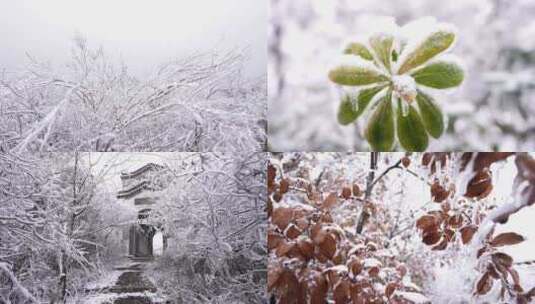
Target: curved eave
145, 168
135, 190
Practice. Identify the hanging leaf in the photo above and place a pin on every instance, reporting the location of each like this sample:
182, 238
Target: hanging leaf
484, 285
350, 109
438, 192
380, 130
480, 185
507, 238
411, 131
431, 115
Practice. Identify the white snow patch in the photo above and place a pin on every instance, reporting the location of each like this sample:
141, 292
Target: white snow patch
416, 298
106, 280
372, 262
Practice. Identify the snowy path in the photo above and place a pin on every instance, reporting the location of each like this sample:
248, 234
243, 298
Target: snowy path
132, 286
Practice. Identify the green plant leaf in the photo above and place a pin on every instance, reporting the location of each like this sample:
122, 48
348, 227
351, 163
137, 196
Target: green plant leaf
440, 75
350, 110
433, 45
358, 49
431, 114
411, 131
354, 75
382, 46
380, 130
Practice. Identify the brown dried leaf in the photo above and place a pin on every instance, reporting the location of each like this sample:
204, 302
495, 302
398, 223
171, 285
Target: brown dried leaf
526, 172
442, 245
431, 237
292, 232
405, 161
516, 277
271, 173
284, 186
356, 190
329, 201
480, 185
274, 239
500, 258
484, 285
491, 269
284, 248
315, 231
427, 222
439, 192
306, 247
328, 246
341, 292
274, 274
374, 271
290, 284
302, 223
507, 238
282, 216
346, 192
326, 217
481, 251
390, 288
402, 270
483, 160
434, 160
455, 221
355, 266
269, 207
319, 289
467, 233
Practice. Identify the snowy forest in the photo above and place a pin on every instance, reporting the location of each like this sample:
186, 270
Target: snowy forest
492, 110
201, 102
403, 228
83, 227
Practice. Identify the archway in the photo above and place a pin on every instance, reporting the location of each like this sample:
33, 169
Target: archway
141, 235
146, 239
158, 243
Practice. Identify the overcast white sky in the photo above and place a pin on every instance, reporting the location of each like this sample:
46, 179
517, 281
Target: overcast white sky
142, 33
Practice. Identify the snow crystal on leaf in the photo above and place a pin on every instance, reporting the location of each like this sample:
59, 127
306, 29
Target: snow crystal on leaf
416, 35
352, 60
340, 269
372, 262
416, 298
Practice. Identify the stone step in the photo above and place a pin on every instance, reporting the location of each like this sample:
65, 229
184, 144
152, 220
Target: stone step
133, 300
132, 281
141, 259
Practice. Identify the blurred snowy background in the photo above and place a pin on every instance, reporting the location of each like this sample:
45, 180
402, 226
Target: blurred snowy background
492, 110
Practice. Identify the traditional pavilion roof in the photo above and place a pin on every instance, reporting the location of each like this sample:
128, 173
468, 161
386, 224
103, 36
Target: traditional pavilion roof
138, 172
135, 190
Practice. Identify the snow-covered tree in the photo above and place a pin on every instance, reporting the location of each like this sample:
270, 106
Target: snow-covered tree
198, 103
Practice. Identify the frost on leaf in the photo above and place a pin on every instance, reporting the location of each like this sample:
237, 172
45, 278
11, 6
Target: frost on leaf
395, 53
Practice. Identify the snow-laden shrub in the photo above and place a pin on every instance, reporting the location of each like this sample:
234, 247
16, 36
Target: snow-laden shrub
210, 278
388, 73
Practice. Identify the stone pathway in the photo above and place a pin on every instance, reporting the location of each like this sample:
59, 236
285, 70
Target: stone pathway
132, 287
